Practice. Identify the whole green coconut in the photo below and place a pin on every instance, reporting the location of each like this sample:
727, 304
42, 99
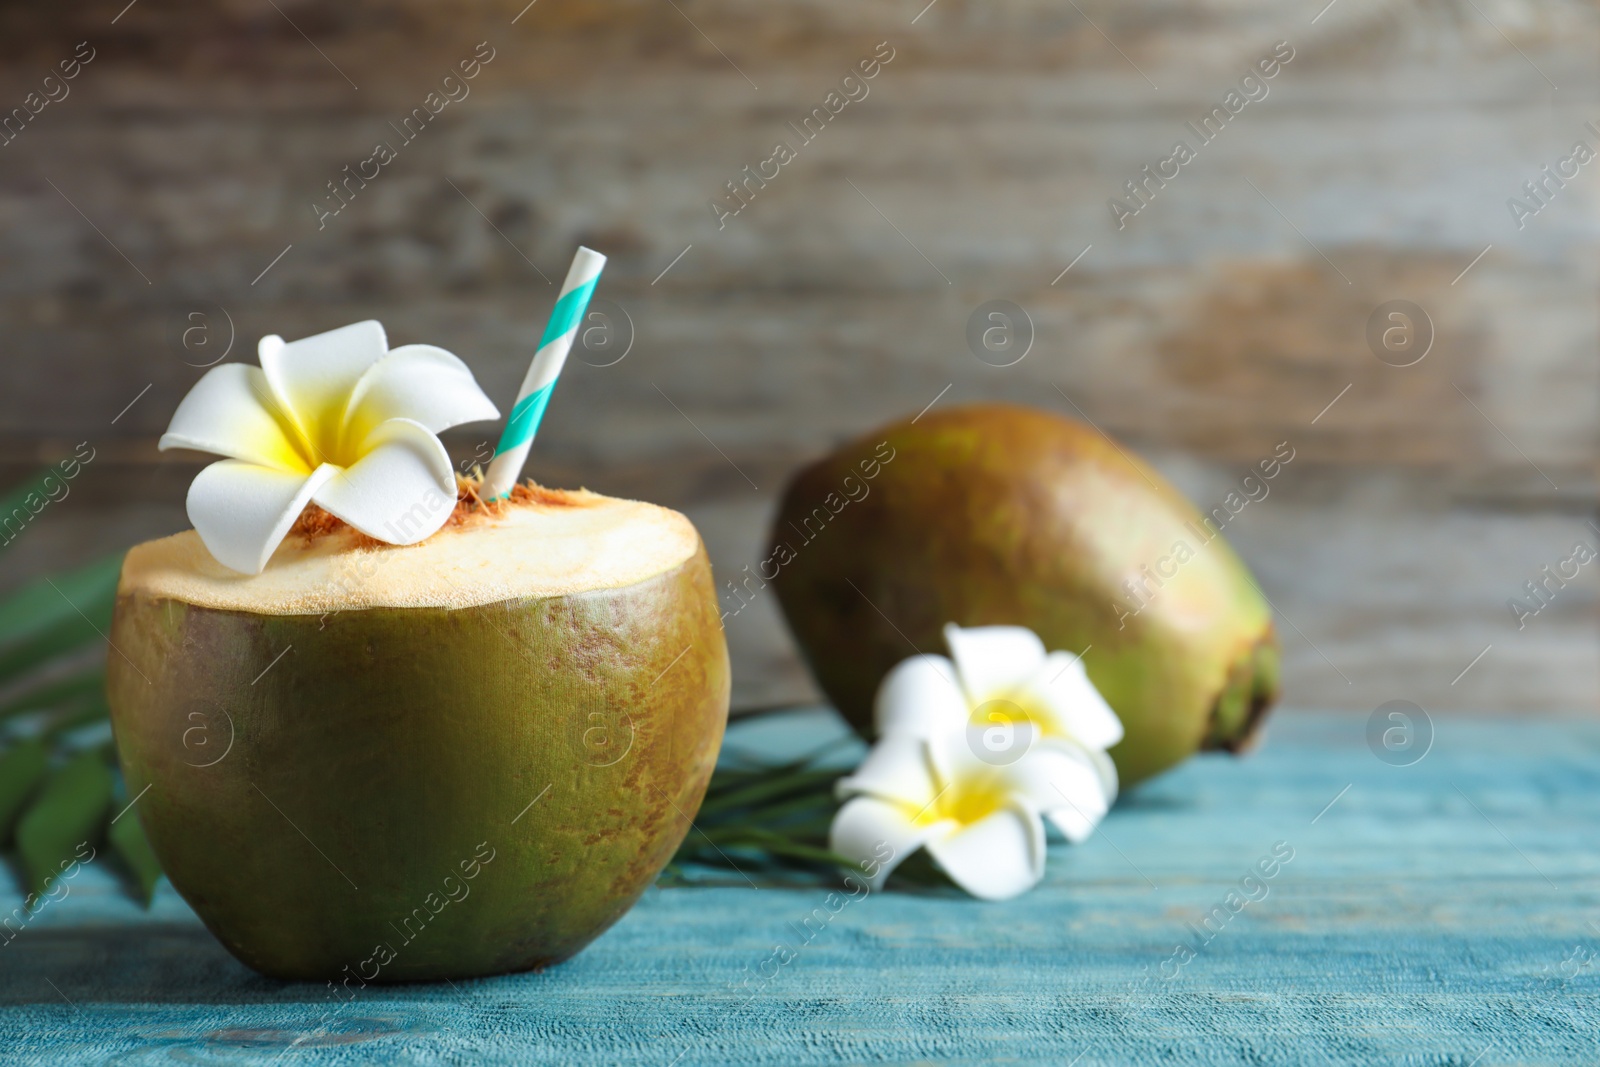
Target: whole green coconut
1004, 515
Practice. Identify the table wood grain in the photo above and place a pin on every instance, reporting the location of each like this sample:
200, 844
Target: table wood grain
1442, 913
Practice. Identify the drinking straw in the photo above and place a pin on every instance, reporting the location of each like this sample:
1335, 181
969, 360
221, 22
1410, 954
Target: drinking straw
512, 452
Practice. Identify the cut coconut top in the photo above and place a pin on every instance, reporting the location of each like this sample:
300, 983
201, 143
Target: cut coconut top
553, 544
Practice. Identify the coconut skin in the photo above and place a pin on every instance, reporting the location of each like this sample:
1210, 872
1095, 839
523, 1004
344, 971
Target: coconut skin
1004, 515
420, 792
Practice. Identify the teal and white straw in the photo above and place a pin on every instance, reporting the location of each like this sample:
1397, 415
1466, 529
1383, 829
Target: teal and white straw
512, 452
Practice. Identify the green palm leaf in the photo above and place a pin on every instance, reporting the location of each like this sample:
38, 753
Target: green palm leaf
54, 615
52, 665
22, 768
65, 823
126, 834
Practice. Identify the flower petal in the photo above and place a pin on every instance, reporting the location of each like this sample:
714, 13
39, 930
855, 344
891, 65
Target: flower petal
1074, 825
1079, 710
1064, 783
876, 836
994, 660
920, 697
231, 411
418, 382
1108, 773
897, 770
996, 858
242, 511
400, 491
312, 378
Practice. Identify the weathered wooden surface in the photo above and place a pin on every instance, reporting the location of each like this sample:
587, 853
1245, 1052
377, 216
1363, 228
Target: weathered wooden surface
1222, 320
1439, 913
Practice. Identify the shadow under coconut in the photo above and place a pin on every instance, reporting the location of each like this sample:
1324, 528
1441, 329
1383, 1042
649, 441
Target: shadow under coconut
176, 963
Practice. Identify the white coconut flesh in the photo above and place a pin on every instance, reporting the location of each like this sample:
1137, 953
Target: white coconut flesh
565, 543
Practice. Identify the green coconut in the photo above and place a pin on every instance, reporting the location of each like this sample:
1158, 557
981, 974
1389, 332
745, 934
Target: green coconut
1004, 515
463, 757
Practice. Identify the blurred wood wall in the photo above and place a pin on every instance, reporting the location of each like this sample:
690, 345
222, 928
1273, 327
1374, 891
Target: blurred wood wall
178, 175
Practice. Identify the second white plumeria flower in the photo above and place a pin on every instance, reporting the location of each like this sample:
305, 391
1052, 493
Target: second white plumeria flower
337, 419
974, 755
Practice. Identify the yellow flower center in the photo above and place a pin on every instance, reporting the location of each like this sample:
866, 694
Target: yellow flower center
974, 800
323, 439
1013, 718
967, 800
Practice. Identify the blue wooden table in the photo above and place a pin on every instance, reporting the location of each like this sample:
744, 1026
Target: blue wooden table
1446, 912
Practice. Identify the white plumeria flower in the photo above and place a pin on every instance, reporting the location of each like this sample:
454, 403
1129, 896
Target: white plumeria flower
337, 419
973, 756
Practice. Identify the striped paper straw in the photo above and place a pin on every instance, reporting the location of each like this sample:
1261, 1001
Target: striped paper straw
512, 452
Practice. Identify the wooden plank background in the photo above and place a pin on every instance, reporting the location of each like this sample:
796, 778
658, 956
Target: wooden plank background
1221, 320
